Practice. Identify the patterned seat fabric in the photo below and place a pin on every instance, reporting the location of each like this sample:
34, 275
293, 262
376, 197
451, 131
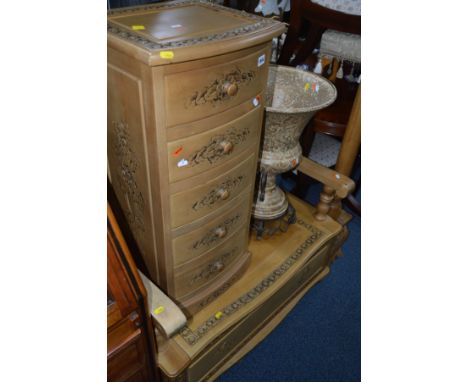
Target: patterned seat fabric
345, 46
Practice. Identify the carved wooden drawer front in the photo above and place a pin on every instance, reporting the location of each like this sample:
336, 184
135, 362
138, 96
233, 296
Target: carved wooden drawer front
197, 94
196, 274
194, 155
183, 263
189, 205
194, 243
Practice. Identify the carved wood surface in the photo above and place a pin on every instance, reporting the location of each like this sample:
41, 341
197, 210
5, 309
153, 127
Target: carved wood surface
205, 198
192, 336
209, 149
150, 43
219, 229
185, 121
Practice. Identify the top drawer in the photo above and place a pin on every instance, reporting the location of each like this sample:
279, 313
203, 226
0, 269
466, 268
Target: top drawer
197, 94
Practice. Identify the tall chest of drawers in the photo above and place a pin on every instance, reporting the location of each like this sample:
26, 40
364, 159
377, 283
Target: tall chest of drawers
185, 108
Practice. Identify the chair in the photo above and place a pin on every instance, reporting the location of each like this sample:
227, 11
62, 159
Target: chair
320, 19
314, 22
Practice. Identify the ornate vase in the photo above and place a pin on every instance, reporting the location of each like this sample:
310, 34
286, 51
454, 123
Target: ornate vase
293, 96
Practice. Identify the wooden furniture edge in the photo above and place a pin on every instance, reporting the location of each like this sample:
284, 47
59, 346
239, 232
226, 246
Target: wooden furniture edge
151, 56
118, 348
351, 139
114, 226
217, 286
166, 315
338, 182
142, 324
276, 318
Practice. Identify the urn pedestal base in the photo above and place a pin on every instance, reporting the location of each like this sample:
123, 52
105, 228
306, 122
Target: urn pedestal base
267, 228
271, 202
271, 212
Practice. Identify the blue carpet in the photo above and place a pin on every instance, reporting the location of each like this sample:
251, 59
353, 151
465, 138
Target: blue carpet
319, 340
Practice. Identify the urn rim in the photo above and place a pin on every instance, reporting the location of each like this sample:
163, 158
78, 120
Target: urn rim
323, 82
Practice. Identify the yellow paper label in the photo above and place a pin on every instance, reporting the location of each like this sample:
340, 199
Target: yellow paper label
158, 310
307, 86
166, 54
218, 315
138, 27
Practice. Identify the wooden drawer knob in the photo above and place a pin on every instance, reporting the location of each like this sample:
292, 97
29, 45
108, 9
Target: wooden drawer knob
220, 232
230, 89
226, 146
223, 194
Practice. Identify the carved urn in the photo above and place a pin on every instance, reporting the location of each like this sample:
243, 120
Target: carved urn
293, 96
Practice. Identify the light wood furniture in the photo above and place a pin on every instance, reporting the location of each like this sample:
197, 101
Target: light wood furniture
185, 107
168, 319
186, 84
348, 153
282, 270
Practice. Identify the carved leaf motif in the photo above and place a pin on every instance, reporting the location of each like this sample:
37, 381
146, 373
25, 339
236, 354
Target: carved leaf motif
213, 196
215, 93
115, 29
212, 235
212, 269
214, 151
126, 177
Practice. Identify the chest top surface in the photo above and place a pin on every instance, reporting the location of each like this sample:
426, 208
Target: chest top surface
184, 30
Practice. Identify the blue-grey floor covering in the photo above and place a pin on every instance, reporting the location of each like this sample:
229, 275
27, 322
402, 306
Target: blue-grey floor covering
319, 340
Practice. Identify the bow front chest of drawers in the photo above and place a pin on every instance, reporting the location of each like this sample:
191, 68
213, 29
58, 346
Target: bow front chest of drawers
185, 109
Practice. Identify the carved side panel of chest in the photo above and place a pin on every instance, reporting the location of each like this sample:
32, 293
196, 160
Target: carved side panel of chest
126, 157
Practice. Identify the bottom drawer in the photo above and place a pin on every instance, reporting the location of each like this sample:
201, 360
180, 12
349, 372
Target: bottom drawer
217, 230
195, 274
229, 343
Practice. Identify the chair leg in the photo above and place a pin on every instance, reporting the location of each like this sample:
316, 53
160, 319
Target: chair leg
323, 208
335, 208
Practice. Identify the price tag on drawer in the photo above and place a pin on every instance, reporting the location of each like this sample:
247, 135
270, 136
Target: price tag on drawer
182, 163
218, 315
177, 151
167, 54
256, 101
261, 60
